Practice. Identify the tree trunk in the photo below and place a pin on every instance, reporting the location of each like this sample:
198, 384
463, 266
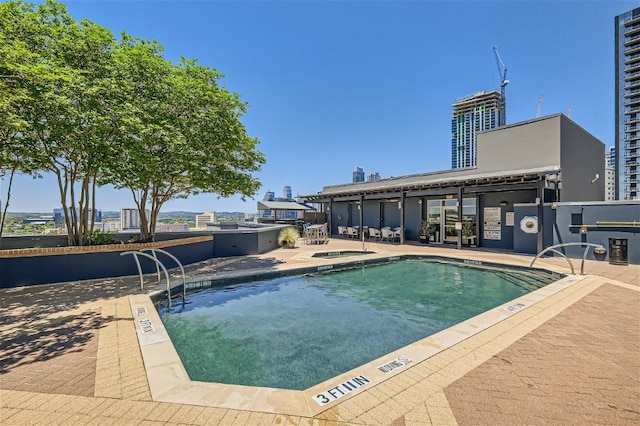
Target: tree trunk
6, 203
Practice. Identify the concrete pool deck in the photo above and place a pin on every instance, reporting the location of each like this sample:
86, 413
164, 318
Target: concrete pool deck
69, 354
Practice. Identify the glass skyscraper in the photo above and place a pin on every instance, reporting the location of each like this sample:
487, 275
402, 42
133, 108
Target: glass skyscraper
627, 133
286, 193
358, 174
473, 114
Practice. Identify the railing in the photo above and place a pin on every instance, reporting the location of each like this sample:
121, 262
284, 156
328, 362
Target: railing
159, 265
584, 255
166, 253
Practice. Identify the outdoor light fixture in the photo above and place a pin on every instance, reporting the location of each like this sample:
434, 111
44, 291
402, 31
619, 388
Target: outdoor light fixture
504, 203
399, 205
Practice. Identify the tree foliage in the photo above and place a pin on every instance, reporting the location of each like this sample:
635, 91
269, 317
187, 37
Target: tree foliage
94, 110
56, 102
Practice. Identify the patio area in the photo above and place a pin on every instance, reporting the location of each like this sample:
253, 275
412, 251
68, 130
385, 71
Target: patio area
69, 354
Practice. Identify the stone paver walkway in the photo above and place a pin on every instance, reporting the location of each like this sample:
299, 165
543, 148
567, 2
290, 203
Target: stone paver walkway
580, 367
69, 355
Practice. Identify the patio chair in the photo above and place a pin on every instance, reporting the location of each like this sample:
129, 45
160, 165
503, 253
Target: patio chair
342, 231
395, 234
386, 234
352, 232
324, 233
374, 234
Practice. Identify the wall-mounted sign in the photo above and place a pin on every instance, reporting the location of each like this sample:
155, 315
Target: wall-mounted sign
492, 223
509, 219
529, 224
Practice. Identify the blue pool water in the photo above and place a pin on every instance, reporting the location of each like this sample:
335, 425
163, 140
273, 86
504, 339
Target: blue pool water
295, 332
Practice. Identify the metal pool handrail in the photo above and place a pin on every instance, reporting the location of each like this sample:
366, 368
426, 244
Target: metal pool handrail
166, 274
184, 281
555, 247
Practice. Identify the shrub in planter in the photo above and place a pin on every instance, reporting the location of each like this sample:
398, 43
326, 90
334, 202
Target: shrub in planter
98, 237
288, 237
426, 231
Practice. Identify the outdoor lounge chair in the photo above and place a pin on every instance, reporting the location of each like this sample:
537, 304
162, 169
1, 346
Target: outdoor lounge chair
374, 234
386, 234
352, 232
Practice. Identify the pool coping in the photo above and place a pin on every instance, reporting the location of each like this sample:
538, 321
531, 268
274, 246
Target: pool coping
169, 381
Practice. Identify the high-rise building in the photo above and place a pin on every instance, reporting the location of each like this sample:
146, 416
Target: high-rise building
609, 175
358, 174
473, 114
610, 157
373, 176
59, 217
130, 218
286, 193
627, 133
269, 196
204, 218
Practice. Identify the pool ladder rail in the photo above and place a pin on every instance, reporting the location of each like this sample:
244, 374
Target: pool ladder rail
153, 256
554, 249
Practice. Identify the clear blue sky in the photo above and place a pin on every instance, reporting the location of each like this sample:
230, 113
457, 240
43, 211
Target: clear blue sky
334, 85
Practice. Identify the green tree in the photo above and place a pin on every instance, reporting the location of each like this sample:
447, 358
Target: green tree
180, 134
59, 102
94, 111
15, 58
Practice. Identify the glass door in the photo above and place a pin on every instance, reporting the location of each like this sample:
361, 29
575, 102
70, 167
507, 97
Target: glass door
434, 213
443, 214
450, 218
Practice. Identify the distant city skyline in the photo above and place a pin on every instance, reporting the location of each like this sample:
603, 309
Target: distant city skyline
333, 84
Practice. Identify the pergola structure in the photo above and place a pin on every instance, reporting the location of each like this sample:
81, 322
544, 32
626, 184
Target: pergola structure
277, 206
453, 184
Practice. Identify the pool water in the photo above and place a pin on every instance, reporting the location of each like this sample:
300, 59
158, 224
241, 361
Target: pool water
295, 332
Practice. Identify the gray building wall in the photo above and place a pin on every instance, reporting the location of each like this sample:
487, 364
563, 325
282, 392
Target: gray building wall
339, 216
525, 145
528, 243
506, 240
553, 141
569, 217
412, 218
581, 160
390, 214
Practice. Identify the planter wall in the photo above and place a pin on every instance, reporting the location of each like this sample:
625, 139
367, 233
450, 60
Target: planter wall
50, 261
23, 267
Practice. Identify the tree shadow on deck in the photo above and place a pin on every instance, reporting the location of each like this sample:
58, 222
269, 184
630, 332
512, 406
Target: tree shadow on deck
34, 342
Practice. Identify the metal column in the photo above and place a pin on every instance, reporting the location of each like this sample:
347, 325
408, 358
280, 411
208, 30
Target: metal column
459, 218
540, 200
401, 206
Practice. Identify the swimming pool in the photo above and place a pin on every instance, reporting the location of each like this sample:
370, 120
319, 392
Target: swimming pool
297, 331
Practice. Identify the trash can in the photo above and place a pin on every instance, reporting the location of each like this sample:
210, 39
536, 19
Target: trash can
600, 253
618, 251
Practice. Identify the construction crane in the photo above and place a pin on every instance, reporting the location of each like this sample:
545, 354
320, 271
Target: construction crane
502, 72
539, 105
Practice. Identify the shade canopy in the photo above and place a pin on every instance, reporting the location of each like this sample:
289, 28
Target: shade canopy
282, 205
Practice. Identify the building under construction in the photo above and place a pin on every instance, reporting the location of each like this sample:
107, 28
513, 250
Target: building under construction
472, 114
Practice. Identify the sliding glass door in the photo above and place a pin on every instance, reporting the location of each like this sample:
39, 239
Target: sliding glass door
444, 215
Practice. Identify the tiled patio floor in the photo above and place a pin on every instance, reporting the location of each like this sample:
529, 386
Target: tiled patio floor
69, 354
577, 368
